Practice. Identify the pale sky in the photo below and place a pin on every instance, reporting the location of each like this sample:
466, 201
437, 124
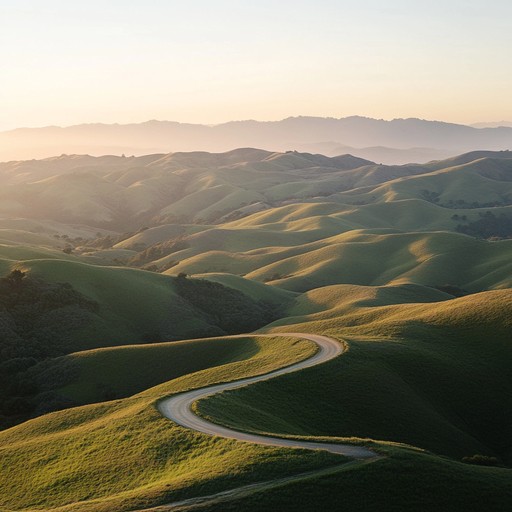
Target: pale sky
66, 62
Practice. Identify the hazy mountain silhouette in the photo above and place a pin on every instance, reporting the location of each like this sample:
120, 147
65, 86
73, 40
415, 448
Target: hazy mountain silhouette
494, 124
396, 141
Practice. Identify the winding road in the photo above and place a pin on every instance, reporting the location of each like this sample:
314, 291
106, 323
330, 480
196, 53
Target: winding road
178, 408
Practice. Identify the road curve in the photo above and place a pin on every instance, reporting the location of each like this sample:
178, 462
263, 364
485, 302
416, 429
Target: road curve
178, 408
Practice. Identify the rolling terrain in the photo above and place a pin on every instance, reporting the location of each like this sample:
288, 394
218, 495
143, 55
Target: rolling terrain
128, 280
434, 357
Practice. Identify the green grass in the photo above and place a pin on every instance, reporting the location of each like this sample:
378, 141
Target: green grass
342, 299
135, 306
120, 292
109, 192
117, 372
364, 257
124, 455
403, 481
355, 255
19, 237
430, 375
483, 180
378, 259
253, 289
157, 234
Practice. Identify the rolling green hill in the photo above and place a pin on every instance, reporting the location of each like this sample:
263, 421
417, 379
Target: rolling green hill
431, 375
55, 307
392, 352
365, 257
107, 191
403, 481
118, 372
122, 455
137, 306
241, 201
410, 266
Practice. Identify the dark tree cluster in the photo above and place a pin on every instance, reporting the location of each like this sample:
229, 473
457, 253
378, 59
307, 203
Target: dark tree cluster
430, 196
462, 204
488, 226
434, 197
158, 251
231, 311
36, 320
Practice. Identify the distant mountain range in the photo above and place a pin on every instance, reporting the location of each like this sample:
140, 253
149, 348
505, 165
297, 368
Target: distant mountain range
391, 142
495, 124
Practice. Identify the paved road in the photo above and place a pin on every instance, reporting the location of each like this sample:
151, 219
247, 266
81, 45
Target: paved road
178, 407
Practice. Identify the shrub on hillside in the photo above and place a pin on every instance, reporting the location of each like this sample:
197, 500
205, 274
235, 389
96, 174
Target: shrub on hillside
481, 460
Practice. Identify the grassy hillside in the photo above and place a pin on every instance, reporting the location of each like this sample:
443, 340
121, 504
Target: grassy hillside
163, 463
369, 257
241, 201
117, 372
135, 306
254, 289
122, 193
409, 265
402, 481
55, 307
130, 193
430, 375
123, 455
